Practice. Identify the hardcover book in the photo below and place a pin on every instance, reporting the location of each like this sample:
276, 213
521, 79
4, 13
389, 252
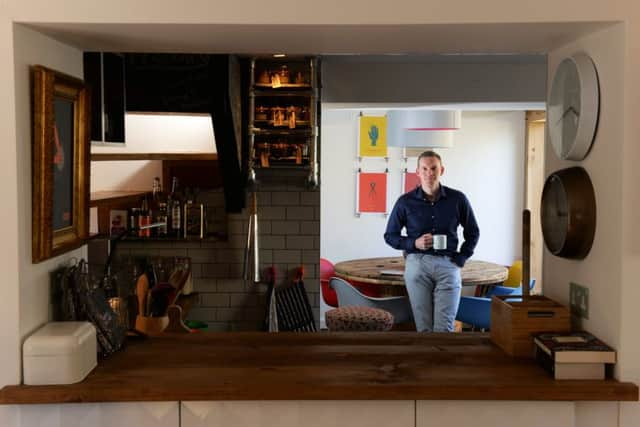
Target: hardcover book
570, 371
574, 347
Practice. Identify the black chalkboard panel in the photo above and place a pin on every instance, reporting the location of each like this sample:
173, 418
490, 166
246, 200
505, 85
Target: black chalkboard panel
93, 80
104, 76
113, 97
171, 83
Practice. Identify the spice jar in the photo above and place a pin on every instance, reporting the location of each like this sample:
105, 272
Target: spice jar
264, 77
299, 79
304, 113
278, 116
262, 113
292, 113
284, 74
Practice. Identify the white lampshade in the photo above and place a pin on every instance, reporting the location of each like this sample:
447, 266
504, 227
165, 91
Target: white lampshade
422, 128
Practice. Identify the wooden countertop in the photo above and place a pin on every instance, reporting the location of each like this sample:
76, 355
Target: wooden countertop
319, 366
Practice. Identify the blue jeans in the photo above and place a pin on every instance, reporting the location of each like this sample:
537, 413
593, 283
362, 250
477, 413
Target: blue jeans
433, 284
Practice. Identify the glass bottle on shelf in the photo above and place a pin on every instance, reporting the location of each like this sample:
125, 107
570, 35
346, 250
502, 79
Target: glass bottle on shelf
155, 188
284, 74
162, 218
144, 219
175, 208
156, 191
154, 204
134, 218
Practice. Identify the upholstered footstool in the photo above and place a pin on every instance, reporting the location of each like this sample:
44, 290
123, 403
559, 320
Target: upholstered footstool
356, 318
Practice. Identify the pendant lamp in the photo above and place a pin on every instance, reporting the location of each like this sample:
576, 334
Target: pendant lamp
422, 128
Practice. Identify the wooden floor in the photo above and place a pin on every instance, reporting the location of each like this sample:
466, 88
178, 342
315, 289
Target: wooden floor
325, 366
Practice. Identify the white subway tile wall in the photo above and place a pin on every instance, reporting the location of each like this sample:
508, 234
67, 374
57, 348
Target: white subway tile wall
289, 227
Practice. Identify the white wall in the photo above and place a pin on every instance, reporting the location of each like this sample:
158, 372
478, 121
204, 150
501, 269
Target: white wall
164, 133
150, 133
486, 163
603, 279
629, 356
610, 269
121, 175
9, 211
32, 48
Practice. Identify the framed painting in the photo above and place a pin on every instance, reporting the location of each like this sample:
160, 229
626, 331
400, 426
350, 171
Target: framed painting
410, 181
372, 193
60, 163
372, 136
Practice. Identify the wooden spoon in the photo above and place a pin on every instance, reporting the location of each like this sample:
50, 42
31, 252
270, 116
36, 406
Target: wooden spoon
142, 288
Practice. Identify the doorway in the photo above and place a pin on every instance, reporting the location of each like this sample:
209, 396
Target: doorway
533, 184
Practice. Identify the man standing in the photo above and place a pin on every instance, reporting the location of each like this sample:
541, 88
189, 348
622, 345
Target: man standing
432, 276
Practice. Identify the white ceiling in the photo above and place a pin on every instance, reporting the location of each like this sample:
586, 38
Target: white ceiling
321, 39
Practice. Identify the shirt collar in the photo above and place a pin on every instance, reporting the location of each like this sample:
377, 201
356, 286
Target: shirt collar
419, 194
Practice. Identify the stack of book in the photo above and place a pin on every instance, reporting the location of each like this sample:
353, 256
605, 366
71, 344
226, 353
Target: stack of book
573, 355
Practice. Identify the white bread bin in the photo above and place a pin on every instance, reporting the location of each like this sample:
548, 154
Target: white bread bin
59, 353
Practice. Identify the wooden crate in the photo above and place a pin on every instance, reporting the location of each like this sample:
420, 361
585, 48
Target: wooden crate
514, 319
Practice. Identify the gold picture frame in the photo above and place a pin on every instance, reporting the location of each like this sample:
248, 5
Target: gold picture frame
60, 163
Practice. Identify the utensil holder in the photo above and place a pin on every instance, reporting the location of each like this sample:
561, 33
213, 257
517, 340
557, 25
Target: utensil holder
151, 325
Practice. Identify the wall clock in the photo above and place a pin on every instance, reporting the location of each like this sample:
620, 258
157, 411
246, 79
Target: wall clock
572, 108
568, 213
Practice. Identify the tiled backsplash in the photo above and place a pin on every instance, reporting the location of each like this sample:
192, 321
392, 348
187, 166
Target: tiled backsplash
289, 236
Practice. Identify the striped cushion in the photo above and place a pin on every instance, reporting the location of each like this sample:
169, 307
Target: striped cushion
354, 318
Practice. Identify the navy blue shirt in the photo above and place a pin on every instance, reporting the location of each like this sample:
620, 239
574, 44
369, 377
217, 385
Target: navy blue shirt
418, 215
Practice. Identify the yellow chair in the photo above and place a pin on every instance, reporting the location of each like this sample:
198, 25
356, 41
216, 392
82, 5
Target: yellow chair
514, 277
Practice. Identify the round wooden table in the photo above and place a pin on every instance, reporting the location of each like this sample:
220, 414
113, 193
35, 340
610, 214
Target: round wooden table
379, 271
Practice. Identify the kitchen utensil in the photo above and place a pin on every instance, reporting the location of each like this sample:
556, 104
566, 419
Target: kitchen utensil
151, 325
175, 320
256, 246
178, 280
271, 321
160, 297
142, 288
247, 250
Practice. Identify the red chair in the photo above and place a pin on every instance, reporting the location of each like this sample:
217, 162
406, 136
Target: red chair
326, 272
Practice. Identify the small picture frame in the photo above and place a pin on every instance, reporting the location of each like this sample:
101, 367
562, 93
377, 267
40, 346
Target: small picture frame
194, 221
117, 222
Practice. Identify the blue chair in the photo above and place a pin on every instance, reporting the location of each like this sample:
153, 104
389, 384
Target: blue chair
476, 311
348, 295
507, 290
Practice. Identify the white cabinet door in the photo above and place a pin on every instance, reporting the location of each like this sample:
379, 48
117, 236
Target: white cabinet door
139, 414
322, 413
464, 413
